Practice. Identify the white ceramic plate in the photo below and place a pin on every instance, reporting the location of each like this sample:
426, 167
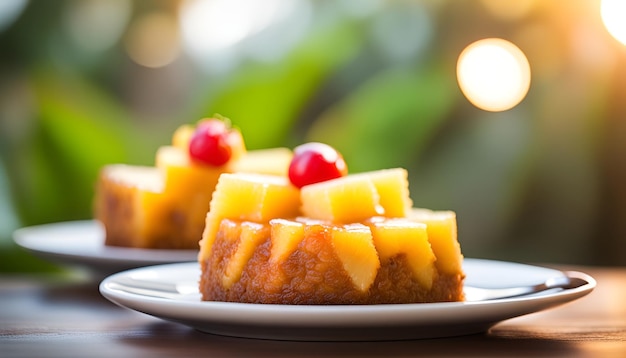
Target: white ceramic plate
82, 243
170, 292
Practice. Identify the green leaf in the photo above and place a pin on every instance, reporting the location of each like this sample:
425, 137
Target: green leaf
264, 100
482, 171
389, 119
78, 130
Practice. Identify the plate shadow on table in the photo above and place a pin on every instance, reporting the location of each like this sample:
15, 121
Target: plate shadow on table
166, 337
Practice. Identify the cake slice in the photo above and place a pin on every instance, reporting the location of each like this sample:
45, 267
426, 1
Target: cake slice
165, 206
265, 241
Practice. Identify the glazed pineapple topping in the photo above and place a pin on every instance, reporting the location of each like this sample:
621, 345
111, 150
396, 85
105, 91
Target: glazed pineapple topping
347, 239
165, 206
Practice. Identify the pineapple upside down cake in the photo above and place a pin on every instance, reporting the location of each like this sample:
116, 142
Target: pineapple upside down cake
320, 236
283, 227
164, 206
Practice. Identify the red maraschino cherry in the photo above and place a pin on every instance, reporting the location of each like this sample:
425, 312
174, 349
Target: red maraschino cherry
315, 162
209, 143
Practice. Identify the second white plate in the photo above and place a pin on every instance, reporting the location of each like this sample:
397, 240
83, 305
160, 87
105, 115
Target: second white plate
82, 243
170, 292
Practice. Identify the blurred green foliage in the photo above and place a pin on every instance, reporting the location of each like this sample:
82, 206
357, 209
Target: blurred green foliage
542, 182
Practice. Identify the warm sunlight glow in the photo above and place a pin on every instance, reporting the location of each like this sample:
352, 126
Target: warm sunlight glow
214, 24
493, 74
509, 10
613, 14
212, 28
152, 41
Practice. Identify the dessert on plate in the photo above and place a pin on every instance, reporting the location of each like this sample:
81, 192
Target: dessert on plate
164, 206
320, 236
282, 227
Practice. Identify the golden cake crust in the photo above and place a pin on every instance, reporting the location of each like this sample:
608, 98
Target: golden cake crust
312, 274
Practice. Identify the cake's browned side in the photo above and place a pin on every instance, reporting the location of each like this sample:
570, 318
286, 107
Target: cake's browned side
313, 275
135, 218
114, 208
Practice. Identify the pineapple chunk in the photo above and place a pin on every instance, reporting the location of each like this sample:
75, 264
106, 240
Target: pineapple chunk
442, 234
255, 197
230, 229
182, 136
392, 186
400, 236
273, 161
251, 236
348, 199
171, 156
249, 197
354, 246
181, 176
286, 235
357, 197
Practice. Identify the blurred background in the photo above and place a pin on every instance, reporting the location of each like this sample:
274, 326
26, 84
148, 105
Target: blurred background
84, 83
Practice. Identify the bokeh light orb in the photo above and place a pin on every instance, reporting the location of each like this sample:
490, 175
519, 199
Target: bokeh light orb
613, 14
153, 40
10, 10
493, 74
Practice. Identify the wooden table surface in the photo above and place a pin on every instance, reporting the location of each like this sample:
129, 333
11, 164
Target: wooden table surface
67, 317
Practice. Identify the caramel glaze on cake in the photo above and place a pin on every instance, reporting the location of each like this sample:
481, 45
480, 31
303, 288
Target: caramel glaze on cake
351, 240
312, 274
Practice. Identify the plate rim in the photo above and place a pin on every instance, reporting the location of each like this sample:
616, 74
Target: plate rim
29, 237
209, 316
